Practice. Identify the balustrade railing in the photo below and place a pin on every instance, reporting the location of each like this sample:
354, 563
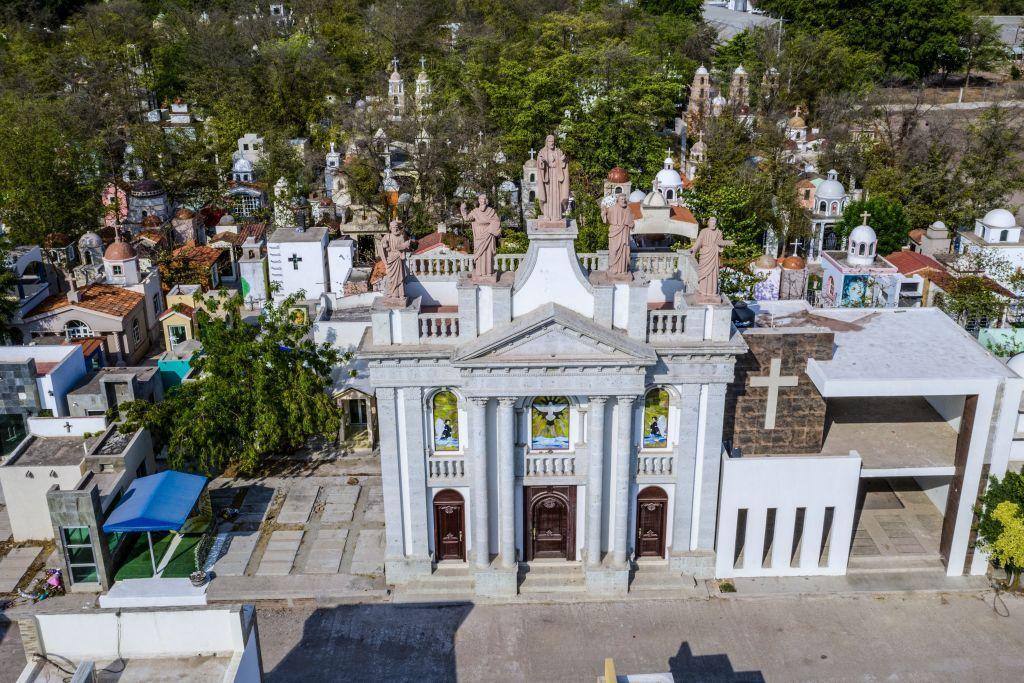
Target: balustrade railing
665, 324
446, 468
658, 265
654, 464
441, 327
429, 265
508, 262
549, 464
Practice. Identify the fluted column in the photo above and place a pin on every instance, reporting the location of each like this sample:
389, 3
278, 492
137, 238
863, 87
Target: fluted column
595, 479
507, 481
623, 461
478, 447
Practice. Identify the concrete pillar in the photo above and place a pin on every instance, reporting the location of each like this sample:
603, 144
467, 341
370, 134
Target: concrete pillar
623, 466
391, 477
416, 462
712, 465
507, 481
685, 462
478, 463
595, 479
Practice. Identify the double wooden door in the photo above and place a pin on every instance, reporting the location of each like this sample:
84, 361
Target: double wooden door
550, 522
449, 526
651, 507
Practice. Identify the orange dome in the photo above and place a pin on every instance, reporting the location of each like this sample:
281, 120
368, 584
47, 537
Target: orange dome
152, 221
618, 175
184, 213
119, 251
793, 263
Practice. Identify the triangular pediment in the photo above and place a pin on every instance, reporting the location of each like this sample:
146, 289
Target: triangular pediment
554, 334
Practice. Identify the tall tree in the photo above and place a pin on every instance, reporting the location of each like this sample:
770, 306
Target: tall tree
8, 297
887, 219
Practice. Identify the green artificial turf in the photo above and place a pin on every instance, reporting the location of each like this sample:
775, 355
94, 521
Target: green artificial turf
183, 562
136, 564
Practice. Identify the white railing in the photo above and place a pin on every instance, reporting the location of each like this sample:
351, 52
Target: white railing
430, 265
592, 261
508, 262
447, 467
665, 325
654, 464
657, 265
549, 465
438, 326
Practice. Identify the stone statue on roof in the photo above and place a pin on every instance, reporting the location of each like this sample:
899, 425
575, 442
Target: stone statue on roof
620, 220
708, 250
486, 231
395, 245
552, 181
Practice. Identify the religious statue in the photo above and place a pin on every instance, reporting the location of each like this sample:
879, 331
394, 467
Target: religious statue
708, 249
395, 245
553, 181
619, 218
486, 231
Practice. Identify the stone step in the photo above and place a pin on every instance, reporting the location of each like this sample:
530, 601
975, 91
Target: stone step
661, 581
894, 564
565, 582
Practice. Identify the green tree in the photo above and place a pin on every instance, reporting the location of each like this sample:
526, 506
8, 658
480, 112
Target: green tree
886, 218
1001, 524
8, 297
260, 389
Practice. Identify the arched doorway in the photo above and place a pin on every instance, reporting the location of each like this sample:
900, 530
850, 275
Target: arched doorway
651, 507
551, 522
449, 526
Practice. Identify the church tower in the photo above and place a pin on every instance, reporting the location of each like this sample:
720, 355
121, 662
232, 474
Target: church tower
695, 157
739, 90
700, 98
528, 197
422, 86
121, 263
396, 91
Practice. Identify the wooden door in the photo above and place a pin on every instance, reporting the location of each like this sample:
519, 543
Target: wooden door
551, 521
651, 508
956, 485
449, 526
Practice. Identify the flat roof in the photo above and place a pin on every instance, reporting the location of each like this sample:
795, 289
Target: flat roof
314, 234
49, 451
92, 384
150, 670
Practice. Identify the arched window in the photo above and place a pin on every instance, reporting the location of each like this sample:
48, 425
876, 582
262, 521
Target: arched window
76, 329
618, 190
668, 194
1003, 235
822, 207
533, 195
656, 404
549, 423
835, 208
533, 178
860, 249
446, 421
871, 249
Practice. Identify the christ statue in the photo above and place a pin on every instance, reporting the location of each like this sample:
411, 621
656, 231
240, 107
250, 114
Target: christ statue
486, 231
553, 183
708, 249
619, 218
395, 245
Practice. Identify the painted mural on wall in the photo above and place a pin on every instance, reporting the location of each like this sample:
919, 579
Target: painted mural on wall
549, 423
656, 419
446, 421
855, 290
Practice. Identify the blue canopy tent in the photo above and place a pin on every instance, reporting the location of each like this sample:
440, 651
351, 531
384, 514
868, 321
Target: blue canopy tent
159, 502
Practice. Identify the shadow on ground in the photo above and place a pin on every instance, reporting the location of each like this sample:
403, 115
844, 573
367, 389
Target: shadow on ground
687, 667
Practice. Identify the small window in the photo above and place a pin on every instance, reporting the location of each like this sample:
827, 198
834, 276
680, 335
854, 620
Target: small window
136, 331
1004, 235
80, 556
245, 146
177, 334
533, 178
158, 304
117, 270
860, 249
822, 208
76, 329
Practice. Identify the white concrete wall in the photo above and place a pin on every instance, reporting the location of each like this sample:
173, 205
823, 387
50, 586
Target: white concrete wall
551, 281
937, 490
54, 426
951, 408
54, 386
344, 336
25, 497
786, 484
433, 292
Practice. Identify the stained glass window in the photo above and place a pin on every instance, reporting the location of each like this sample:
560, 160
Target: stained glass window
656, 419
446, 421
549, 423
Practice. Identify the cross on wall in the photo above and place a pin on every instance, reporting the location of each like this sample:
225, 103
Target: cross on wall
67, 427
295, 261
774, 380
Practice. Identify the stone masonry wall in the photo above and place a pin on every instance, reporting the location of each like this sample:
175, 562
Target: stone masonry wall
18, 393
800, 410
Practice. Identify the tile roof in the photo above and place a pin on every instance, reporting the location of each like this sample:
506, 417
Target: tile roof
88, 344
438, 239
911, 262
944, 280
180, 309
101, 298
199, 253
682, 213
916, 234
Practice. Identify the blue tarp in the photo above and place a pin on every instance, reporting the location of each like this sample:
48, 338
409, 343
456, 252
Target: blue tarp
159, 502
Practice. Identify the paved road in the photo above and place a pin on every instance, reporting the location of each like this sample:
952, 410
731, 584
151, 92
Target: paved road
921, 638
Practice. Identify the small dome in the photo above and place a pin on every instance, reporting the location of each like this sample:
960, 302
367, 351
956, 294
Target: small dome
152, 221
999, 218
797, 121
618, 175
226, 219
184, 213
637, 196
740, 70
507, 186
1017, 364
669, 177
830, 189
242, 165
793, 263
698, 147
701, 71
530, 163
499, 157
90, 240
766, 262
119, 251
719, 100
655, 200
863, 233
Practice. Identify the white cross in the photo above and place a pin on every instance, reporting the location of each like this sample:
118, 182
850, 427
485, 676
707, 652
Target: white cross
532, 152
394, 63
796, 245
423, 63
773, 380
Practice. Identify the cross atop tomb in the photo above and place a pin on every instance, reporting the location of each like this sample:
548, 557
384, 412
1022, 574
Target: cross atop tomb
67, 427
533, 153
295, 261
796, 245
864, 218
423, 63
774, 380
394, 63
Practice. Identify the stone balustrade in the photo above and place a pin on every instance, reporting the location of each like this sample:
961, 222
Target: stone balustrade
665, 325
442, 328
549, 464
439, 265
446, 468
656, 265
508, 262
654, 464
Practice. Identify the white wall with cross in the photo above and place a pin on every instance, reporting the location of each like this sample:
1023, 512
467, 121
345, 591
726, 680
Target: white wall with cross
774, 380
297, 260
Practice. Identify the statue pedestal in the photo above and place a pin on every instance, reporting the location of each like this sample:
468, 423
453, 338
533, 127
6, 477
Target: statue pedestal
542, 228
395, 321
546, 224
711, 318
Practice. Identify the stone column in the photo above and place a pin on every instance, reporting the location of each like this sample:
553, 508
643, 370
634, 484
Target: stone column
623, 465
711, 470
507, 481
478, 463
391, 477
416, 463
685, 463
595, 479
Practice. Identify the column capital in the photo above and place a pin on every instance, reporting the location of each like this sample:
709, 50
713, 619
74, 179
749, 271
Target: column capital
627, 400
508, 401
598, 400
480, 401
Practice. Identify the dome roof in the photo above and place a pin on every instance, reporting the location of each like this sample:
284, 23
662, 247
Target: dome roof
669, 177
637, 196
719, 100
999, 218
740, 70
152, 221
765, 262
226, 219
184, 213
507, 186
1017, 364
119, 251
242, 165
701, 70
618, 175
147, 188
830, 189
863, 233
793, 263
655, 200
90, 240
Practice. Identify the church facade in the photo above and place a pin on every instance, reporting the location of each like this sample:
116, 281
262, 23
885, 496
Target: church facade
551, 416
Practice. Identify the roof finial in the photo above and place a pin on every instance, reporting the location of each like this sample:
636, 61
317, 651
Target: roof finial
864, 218
423, 63
394, 64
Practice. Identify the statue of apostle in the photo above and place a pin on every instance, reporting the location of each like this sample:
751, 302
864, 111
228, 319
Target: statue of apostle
486, 231
395, 245
708, 249
553, 180
619, 218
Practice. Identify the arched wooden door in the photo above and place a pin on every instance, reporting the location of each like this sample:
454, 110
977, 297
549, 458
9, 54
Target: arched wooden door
651, 508
551, 521
449, 526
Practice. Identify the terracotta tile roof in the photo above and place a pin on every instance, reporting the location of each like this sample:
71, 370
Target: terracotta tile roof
181, 309
944, 280
108, 299
43, 368
911, 262
88, 344
681, 213
198, 253
229, 237
638, 213
916, 234
437, 239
